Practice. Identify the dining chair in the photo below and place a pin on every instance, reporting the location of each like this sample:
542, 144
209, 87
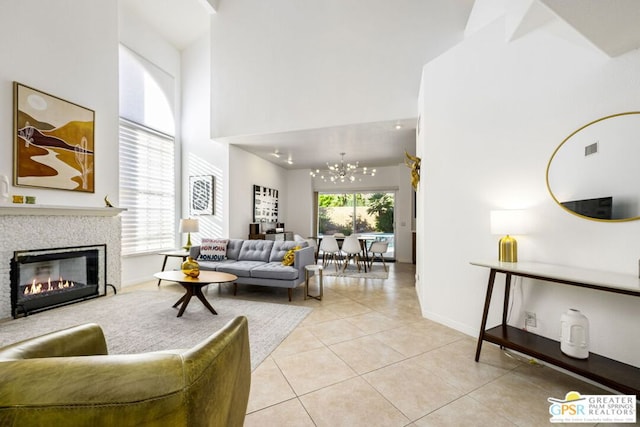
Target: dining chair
352, 250
378, 248
330, 250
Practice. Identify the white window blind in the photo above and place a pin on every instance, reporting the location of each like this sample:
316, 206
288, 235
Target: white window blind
147, 189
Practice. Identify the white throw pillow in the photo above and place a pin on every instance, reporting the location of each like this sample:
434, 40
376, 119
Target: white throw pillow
213, 249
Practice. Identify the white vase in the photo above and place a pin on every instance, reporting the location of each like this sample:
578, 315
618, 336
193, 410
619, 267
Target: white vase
574, 338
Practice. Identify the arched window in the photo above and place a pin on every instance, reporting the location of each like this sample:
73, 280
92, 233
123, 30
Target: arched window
147, 156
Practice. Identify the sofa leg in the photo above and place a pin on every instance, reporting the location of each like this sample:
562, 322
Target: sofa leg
290, 293
235, 289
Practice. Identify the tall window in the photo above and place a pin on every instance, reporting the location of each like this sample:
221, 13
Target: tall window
147, 156
147, 189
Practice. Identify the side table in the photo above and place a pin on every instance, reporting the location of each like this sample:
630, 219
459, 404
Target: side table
179, 253
315, 269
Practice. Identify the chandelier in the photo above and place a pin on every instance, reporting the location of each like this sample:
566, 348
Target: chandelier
342, 172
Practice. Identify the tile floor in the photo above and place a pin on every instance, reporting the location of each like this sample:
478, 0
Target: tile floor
366, 357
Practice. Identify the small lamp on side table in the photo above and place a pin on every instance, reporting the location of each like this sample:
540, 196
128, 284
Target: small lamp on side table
189, 226
507, 223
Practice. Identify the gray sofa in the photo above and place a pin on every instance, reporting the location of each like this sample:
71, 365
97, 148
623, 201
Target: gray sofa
259, 262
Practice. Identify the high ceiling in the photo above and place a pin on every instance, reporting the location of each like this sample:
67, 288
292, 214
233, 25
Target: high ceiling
383, 143
376, 144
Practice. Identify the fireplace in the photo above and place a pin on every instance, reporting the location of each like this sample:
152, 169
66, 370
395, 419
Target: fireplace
46, 278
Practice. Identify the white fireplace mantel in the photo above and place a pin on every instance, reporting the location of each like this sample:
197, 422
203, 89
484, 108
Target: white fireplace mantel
25, 209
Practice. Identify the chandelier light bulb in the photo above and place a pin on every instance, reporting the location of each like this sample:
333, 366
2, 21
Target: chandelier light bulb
343, 172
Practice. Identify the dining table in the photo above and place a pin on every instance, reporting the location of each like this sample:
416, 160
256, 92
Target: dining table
363, 244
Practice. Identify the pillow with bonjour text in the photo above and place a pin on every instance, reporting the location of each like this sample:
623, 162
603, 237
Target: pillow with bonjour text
290, 256
213, 250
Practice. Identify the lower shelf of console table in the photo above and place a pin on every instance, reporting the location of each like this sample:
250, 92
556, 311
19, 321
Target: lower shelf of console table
611, 373
608, 372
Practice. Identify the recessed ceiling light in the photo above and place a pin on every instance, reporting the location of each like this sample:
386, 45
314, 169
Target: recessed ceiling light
398, 126
276, 154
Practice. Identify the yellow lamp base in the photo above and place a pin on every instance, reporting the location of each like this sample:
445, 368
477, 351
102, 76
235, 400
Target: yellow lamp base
508, 249
188, 245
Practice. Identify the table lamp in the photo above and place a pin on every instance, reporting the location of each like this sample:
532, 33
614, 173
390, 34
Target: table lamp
189, 226
508, 222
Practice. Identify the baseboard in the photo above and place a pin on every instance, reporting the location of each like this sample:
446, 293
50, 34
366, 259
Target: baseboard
460, 327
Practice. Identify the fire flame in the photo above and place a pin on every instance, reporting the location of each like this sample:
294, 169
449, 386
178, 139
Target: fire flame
38, 288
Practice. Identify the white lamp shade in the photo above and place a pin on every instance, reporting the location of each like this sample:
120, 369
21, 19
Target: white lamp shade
189, 226
509, 222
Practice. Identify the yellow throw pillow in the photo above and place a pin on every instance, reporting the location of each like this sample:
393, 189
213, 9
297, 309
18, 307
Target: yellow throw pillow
290, 256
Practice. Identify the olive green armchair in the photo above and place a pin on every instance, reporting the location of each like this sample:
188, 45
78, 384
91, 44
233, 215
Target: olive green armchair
66, 378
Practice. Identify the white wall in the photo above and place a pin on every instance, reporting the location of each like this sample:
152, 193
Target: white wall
279, 66
493, 113
74, 57
245, 171
200, 154
284, 65
299, 210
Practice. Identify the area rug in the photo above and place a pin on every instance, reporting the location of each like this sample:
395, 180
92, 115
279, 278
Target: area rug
381, 274
142, 321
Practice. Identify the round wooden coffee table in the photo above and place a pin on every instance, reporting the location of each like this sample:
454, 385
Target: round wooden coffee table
193, 285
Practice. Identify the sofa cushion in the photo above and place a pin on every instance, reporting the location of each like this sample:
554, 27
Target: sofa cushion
255, 250
213, 265
239, 268
213, 249
281, 247
274, 270
233, 248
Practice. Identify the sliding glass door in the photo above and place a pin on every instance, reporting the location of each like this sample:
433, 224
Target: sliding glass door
366, 214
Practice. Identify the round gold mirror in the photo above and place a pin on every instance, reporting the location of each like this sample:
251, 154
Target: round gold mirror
594, 172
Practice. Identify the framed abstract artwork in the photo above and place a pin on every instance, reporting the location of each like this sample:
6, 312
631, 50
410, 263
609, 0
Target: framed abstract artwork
202, 195
53, 142
265, 204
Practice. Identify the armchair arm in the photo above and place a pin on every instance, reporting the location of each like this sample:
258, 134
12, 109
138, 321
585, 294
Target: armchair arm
203, 386
82, 340
219, 370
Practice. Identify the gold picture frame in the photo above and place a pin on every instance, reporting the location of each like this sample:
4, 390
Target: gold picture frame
53, 142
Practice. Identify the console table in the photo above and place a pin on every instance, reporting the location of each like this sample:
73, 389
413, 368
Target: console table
611, 373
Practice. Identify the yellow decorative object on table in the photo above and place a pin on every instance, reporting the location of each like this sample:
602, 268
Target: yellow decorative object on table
191, 267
